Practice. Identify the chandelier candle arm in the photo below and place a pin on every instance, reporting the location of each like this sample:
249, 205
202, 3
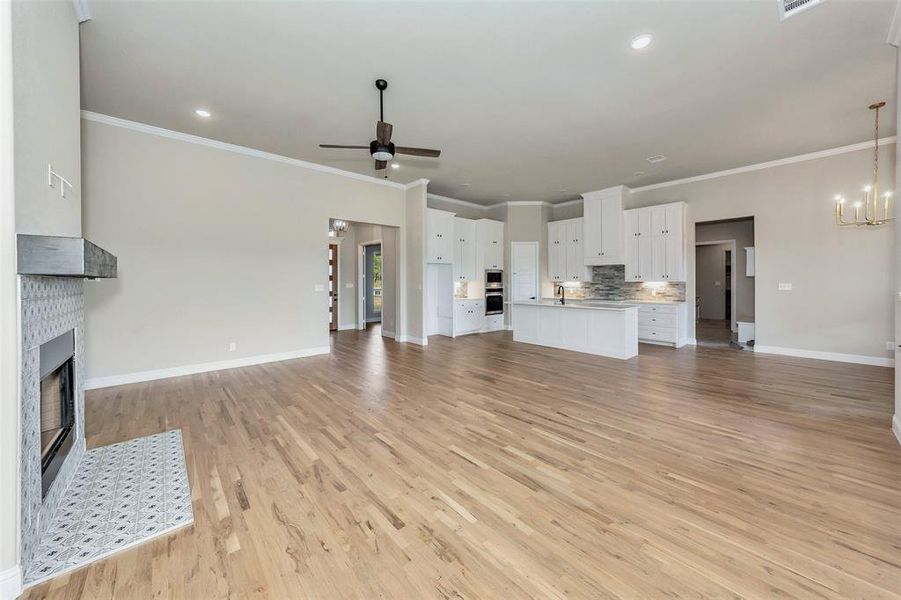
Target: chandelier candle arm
868, 218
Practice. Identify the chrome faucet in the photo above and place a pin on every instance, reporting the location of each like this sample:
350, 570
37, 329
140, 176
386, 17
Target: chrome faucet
562, 291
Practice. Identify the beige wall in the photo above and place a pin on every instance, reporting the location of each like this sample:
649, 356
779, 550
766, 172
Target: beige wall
842, 291
47, 104
743, 234
214, 247
415, 200
9, 355
348, 274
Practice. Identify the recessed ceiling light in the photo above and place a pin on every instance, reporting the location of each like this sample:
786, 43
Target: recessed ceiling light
200, 112
466, 184
563, 191
657, 158
642, 41
395, 166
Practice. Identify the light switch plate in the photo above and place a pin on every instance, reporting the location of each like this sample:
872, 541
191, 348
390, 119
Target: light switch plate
785, 287
349, 286
318, 287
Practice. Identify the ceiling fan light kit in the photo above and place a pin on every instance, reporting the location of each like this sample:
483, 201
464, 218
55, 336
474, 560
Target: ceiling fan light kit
382, 149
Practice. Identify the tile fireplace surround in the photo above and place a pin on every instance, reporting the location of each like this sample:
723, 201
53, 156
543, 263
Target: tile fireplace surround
50, 307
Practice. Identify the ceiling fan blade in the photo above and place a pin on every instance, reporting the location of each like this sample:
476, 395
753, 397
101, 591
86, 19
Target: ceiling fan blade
380, 164
417, 151
340, 146
383, 132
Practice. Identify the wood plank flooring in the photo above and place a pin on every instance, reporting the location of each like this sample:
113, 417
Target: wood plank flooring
481, 468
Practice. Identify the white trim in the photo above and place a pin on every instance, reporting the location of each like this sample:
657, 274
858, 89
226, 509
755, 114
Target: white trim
896, 427
894, 30
388, 334
406, 186
691, 342
450, 200
572, 202
11, 583
361, 282
202, 141
94, 383
526, 203
346, 326
859, 359
770, 164
419, 341
82, 10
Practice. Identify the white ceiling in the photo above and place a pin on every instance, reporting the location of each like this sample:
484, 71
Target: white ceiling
524, 100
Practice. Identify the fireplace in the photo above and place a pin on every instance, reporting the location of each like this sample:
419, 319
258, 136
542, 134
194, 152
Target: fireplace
57, 408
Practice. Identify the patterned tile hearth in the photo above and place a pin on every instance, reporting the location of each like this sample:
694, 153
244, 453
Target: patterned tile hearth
121, 495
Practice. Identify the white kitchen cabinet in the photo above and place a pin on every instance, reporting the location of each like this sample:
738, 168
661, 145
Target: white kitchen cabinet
490, 238
603, 227
439, 236
464, 249
565, 255
556, 250
665, 324
655, 243
469, 316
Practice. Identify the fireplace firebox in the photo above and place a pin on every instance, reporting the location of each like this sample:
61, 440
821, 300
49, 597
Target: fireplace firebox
57, 369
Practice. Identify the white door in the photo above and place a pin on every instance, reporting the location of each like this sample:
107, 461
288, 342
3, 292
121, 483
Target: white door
524, 259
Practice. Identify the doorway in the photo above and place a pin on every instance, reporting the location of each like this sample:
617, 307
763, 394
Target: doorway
372, 279
724, 282
333, 287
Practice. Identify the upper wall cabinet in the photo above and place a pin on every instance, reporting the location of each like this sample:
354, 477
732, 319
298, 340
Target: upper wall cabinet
464, 249
565, 260
654, 243
603, 226
440, 236
490, 238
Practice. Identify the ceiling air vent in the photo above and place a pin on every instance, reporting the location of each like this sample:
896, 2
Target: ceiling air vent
789, 8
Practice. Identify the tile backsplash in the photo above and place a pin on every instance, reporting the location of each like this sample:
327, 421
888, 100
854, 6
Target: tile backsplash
609, 283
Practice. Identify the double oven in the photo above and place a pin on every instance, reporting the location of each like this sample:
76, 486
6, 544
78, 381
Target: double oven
494, 292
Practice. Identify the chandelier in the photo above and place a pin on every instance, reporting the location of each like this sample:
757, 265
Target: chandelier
337, 227
870, 215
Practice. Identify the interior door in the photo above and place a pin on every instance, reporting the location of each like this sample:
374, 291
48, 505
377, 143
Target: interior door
333, 287
373, 278
524, 259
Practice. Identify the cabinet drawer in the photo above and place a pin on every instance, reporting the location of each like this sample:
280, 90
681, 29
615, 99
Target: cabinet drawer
653, 319
657, 334
669, 309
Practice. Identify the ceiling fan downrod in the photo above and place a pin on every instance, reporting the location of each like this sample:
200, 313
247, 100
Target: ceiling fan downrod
381, 84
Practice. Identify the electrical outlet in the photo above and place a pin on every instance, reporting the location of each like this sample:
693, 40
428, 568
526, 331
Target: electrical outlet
785, 287
889, 345
318, 287
232, 346
349, 286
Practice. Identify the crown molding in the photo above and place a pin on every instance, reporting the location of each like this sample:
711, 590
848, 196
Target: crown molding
82, 10
450, 200
414, 183
569, 202
527, 203
202, 141
894, 30
769, 164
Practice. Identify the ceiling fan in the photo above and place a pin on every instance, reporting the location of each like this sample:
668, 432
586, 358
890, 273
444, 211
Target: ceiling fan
382, 148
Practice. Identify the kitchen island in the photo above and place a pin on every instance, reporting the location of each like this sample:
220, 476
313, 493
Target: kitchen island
594, 327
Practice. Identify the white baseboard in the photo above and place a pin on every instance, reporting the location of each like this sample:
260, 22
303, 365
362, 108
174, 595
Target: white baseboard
346, 326
896, 427
126, 378
386, 333
11, 583
860, 359
413, 340
691, 342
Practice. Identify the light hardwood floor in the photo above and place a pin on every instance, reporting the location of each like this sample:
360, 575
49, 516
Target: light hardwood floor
480, 468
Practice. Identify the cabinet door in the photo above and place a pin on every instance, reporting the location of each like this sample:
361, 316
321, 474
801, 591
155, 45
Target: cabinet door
464, 249
439, 236
432, 238
630, 241
575, 259
592, 245
556, 250
612, 230
675, 249
645, 245
458, 250
496, 253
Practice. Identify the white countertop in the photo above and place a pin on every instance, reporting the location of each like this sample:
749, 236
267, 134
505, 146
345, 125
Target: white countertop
577, 304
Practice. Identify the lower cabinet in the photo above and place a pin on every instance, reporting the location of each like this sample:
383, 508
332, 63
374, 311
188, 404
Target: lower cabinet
469, 316
663, 324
